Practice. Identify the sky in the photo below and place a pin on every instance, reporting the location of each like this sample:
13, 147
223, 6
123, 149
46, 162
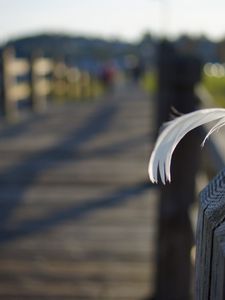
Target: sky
124, 19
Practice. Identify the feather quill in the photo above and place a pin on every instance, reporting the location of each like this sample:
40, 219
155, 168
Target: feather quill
173, 132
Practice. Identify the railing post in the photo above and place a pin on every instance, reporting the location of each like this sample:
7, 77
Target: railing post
73, 79
178, 73
2, 97
210, 257
85, 84
9, 106
13, 91
40, 85
59, 79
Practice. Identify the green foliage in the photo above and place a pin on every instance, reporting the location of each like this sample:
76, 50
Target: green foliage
149, 81
216, 87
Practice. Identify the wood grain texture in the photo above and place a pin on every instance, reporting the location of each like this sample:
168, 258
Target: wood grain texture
210, 234
178, 73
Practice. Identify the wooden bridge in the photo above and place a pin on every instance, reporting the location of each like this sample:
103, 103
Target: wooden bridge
77, 210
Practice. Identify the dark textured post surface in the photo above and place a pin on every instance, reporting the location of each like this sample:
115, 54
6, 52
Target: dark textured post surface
210, 260
178, 74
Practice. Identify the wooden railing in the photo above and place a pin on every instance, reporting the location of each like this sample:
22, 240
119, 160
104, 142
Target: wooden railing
178, 76
40, 83
12, 91
37, 79
210, 237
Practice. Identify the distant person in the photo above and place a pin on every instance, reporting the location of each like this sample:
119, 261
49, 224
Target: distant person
137, 71
134, 67
108, 75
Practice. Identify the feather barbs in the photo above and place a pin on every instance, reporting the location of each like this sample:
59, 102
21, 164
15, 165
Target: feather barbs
171, 135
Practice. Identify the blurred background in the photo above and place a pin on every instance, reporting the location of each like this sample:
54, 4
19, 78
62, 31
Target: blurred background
92, 34
84, 88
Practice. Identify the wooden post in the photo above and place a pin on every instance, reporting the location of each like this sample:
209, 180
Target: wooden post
9, 106
12, 91
73, 82
210, 257
59, 79
85, 84
178, 74
41, 86
1, 86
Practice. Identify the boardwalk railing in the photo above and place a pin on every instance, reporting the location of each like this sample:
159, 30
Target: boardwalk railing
210, 237
37, 79
12, 91
178, 77
41, 86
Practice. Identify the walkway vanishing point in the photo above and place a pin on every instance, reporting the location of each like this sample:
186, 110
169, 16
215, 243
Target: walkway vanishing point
77, 212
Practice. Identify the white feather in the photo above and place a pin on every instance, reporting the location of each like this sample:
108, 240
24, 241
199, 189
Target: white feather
171, 135
217, 126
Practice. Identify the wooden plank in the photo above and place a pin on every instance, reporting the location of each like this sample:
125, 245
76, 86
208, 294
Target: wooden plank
42, 66
19, 91
77, 211
17, 66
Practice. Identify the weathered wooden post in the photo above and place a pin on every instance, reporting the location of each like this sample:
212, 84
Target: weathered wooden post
40, 86
1, 85
210, 258
12, 91
73, 78
178, 74
59, 79
85, 84
8, 106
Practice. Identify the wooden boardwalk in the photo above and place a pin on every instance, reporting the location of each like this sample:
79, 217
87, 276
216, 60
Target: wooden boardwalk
77, 213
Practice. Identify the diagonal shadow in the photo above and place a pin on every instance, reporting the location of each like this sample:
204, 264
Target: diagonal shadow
76, 212
98, 123
112, 149
17, 129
